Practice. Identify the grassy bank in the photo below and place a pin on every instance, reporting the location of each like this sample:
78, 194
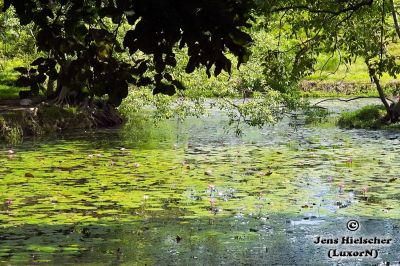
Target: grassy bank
8, 77
333, 78
368, 117
323, 89
330, 69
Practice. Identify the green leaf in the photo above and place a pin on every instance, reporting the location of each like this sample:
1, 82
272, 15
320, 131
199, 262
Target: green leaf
144, 81
164, 89
240, 38
178, 85
168, 76
23, 82
38, 61
22, 70
191, 65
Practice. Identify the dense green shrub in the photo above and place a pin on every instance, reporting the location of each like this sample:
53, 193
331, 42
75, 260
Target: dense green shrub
368, 117
16, 40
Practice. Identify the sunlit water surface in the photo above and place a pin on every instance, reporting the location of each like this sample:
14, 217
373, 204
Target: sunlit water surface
192, 193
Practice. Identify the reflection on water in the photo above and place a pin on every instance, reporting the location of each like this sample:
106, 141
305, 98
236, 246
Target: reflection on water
190, 192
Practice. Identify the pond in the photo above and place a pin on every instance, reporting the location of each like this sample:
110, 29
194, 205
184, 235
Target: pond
190, 192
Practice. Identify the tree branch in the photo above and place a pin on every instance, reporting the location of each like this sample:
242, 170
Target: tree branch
312, 10
348, 100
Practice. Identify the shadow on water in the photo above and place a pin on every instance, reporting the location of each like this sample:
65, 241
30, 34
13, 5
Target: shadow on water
273, 240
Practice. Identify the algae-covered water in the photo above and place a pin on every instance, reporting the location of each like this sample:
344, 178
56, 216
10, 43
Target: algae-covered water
183, 193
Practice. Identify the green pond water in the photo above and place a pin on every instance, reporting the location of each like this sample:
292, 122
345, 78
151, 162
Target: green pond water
190, 193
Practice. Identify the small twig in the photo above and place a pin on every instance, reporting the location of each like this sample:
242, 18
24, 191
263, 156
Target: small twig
280, 30
325, 64
346, 18
115, 37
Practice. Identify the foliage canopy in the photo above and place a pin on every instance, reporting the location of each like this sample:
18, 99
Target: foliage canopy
82, 40
99, 48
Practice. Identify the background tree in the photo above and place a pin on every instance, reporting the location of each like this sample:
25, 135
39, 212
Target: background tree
345, 29
15, 40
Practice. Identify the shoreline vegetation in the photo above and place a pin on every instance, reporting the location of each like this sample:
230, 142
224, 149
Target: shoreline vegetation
18, 122
94, 73
38, 119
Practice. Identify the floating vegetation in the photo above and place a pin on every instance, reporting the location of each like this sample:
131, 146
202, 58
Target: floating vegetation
110, 198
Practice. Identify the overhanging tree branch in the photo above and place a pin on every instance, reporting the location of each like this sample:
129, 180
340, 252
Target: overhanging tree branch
348, 100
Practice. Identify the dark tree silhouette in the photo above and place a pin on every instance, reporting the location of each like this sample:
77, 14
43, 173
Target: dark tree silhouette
82, 44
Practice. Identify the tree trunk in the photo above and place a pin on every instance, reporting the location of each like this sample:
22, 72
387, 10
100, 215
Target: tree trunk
62, 88
51, 84
389, 111
395, 18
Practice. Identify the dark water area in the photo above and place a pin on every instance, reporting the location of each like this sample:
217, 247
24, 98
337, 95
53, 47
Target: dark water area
192, 193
